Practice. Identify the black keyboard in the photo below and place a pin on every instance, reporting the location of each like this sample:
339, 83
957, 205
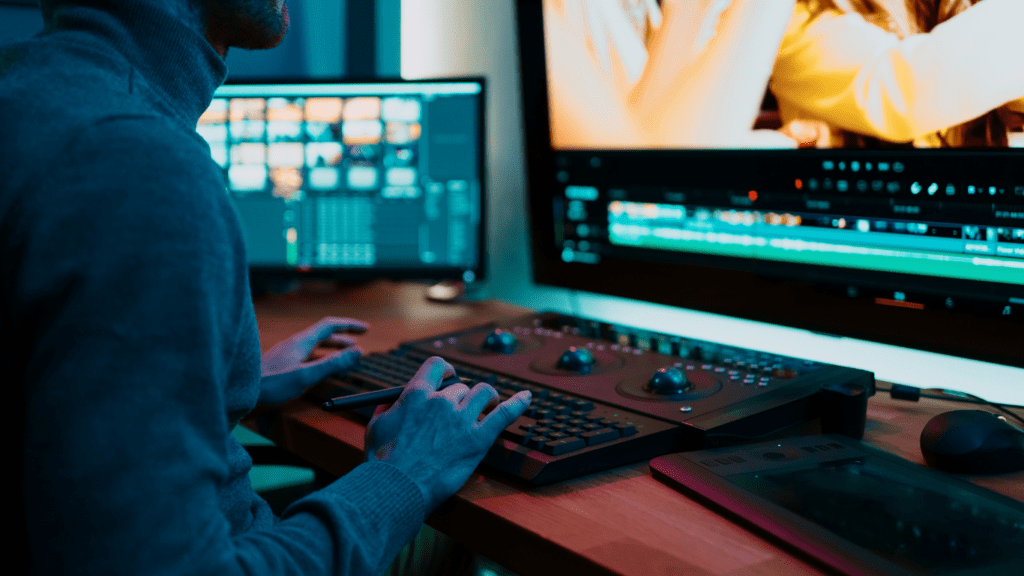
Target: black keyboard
594, 406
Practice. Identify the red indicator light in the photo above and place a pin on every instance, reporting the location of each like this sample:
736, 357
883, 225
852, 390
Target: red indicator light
752, 195
799, 184
899, 303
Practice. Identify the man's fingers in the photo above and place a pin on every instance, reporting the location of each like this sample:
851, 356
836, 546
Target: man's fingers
478, 398
431, 373
340, 340
345, 324
338, 362
506, 413
327, 326
455, 393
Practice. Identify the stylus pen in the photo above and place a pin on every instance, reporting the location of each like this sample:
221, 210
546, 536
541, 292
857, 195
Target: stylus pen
377, 397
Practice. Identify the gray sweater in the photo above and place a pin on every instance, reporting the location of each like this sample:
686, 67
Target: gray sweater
127, 335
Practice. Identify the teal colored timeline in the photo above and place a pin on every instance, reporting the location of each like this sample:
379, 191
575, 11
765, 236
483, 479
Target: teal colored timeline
889, 260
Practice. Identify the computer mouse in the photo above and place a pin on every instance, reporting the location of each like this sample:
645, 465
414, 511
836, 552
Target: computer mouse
972, 442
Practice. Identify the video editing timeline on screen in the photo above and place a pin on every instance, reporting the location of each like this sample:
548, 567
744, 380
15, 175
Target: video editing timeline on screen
871, 215
326, 176
606, 395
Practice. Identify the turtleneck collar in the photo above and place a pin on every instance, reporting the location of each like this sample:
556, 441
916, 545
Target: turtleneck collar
162, 39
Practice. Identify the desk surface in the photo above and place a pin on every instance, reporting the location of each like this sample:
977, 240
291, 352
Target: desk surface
616, 522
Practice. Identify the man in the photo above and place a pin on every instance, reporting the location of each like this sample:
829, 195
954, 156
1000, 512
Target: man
127, 334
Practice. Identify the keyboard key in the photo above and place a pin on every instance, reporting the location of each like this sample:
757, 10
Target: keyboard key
600, 436
536, 442
626, 429
539, 393
582, 405
562, 446
517, 436
523, 423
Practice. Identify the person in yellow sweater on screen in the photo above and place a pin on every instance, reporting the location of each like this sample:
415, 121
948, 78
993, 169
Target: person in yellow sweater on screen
921, 73
674, 74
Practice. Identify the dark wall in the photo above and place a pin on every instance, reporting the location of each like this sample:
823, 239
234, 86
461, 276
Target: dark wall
19, 21
319, 43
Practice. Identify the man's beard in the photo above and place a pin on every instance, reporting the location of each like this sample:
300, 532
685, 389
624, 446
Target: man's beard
249, 24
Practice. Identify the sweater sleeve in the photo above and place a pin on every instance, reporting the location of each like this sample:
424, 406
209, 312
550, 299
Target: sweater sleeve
131, 289
849, 73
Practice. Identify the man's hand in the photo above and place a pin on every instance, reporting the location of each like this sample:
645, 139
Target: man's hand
438, 438
286, 373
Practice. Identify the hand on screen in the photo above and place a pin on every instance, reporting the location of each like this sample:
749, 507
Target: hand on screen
286, 370
439, 437
808, 133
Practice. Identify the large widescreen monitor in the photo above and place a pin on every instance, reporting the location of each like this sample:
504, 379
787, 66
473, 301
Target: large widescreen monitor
845, 166
355, 180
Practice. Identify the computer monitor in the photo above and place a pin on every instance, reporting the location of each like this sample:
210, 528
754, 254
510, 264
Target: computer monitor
355, 180
818, 164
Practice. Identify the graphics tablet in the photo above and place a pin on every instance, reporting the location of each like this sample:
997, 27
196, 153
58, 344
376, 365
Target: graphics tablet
854, 508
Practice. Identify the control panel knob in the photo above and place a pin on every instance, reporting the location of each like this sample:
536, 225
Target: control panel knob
501, 342
576, 359
668, 381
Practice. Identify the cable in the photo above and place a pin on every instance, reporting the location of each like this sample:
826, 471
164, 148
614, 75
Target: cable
956, 394
913, 393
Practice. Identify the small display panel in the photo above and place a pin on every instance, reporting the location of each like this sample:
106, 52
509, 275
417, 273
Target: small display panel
382, 177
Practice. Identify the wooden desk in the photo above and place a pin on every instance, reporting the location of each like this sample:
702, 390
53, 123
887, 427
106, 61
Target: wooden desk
617, 522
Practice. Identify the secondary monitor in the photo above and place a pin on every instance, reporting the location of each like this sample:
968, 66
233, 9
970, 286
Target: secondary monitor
355, 180
823, 164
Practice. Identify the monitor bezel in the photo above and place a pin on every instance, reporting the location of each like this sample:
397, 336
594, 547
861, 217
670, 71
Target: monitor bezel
800, 303
365, 273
